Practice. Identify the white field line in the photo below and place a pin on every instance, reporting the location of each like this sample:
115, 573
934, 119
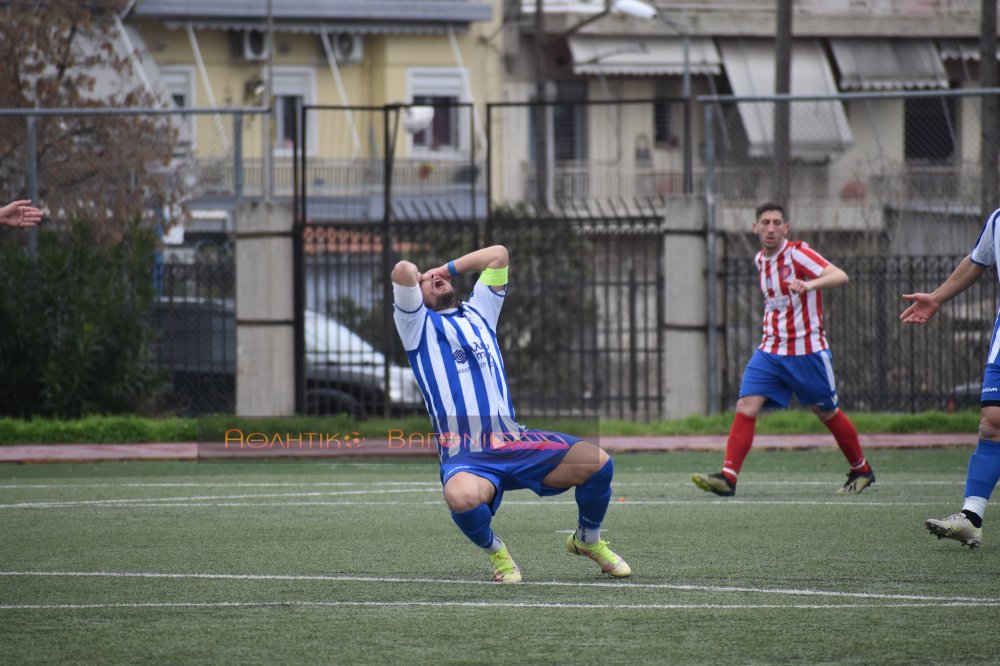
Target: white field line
326, 484
141, 501
282, 484
198, 502
621, 585
482, 604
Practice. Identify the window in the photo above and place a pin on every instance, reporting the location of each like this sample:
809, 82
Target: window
178, 84
442, 132
930, 129
294, 87
569, 121
663, 111
441, 88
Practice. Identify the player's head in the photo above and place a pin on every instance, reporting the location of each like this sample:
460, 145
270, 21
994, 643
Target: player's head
438, 292
770, 226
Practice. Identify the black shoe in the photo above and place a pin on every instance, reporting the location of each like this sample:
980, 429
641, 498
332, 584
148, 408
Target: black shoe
856, 482
715, 483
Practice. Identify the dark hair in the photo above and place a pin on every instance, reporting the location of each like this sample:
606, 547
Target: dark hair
766, 206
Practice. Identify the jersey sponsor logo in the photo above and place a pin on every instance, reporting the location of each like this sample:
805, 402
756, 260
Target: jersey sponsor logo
777, 303
460, 356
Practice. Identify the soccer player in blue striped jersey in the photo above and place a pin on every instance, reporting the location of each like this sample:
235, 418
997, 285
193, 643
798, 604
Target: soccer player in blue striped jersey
453, 350
984, 465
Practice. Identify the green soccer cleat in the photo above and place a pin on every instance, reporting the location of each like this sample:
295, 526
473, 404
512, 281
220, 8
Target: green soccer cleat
956, 527
504, 569
610, 563
715, 483
856, 482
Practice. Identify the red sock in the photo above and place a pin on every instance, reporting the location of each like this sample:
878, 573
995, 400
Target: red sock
738, 445
847, 439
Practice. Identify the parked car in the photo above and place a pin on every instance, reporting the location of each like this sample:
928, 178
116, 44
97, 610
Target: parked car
344, 373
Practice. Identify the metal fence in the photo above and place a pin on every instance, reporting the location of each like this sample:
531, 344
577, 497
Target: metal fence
880, 364
581, 333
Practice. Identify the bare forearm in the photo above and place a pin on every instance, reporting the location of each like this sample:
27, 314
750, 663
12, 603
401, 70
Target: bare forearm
963, 277
494, 256
831, 277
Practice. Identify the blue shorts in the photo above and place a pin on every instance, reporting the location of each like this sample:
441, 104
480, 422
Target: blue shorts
518, 467
809, 377
991, 385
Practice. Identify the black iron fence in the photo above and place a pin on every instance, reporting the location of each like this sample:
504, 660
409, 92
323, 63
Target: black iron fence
881, 364
580, 331
195, 320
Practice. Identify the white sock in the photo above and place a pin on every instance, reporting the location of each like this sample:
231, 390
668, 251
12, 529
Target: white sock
495, 546
588, 536
976, 505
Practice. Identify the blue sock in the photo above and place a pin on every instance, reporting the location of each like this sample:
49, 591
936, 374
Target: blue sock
984, 469
475, 524
592, 499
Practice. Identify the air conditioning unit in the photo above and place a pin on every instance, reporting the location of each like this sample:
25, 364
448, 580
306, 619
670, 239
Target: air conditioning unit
347, 47
255, 46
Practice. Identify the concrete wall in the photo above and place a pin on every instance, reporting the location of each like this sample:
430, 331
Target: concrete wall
265, 332
685, 309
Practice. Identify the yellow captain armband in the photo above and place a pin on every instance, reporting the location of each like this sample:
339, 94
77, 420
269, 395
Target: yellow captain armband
494, 277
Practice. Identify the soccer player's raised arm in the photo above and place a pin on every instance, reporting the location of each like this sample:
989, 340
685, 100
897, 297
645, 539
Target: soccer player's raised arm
405, 274
924, 306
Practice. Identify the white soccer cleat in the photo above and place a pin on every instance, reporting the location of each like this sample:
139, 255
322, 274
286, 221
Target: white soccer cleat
956, 527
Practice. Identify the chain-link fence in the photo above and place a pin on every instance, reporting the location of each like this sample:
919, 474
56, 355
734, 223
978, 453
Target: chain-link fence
881, 365
888, 187
181, 171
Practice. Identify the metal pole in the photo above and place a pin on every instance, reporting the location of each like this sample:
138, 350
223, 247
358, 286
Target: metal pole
782, 108
32, 168
540, 111
238, 156
390, 116
688, 141
710, 263
267, 146
989, 109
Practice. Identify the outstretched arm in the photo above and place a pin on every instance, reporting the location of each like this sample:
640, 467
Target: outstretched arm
829, 277
20, 214
925, 305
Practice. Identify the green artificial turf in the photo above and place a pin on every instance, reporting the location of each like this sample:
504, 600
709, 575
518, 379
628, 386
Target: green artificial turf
359, 563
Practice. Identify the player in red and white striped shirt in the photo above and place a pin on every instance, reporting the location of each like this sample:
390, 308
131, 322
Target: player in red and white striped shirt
793, 357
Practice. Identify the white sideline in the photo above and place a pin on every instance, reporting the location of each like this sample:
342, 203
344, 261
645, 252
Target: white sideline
623, 585
152, 503
481, 604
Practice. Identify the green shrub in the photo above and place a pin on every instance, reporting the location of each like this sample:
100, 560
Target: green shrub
75, 335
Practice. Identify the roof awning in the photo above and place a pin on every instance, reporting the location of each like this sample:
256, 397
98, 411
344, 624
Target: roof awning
643, 56
818, 127
961, 49
317, 27
888, 64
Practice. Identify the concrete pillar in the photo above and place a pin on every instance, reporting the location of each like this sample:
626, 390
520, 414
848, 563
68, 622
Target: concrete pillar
685, 320
265, 325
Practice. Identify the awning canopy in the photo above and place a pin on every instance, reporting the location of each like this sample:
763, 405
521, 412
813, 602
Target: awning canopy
961, 49
318, 27
447, 11
642, 56
819, 128
888, 64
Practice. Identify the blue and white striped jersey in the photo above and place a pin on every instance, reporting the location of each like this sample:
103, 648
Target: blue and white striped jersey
456, 360
985, 253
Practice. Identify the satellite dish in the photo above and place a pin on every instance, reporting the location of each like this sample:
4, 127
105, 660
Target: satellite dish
417, 118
